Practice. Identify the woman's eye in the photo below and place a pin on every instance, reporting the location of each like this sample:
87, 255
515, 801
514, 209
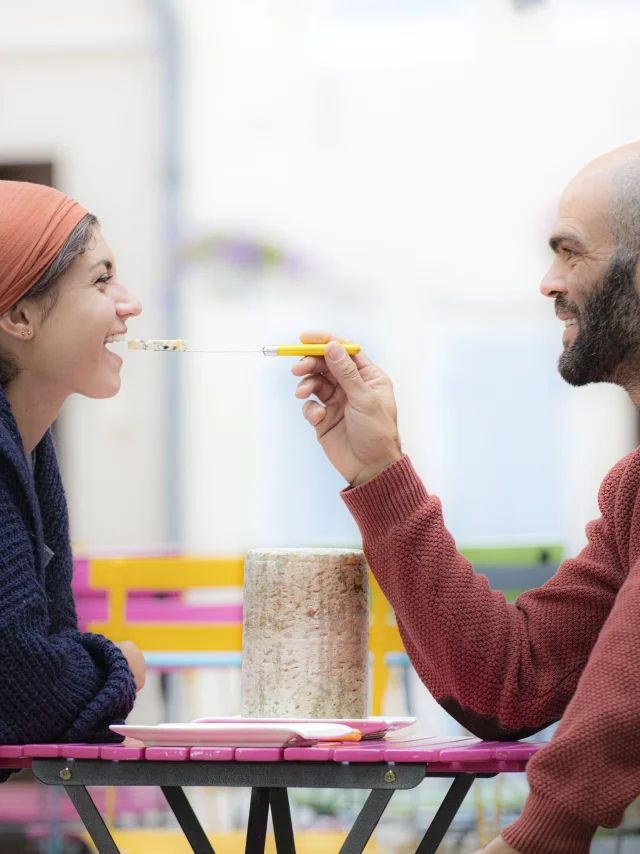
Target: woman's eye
104, 280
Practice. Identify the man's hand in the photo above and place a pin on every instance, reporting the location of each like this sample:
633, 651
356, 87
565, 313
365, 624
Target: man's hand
497, 846
356, 426
135, 660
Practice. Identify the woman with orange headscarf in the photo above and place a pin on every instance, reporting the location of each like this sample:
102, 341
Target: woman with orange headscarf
60, 303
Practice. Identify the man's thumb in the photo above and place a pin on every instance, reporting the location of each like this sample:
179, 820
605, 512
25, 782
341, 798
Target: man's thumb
343, 368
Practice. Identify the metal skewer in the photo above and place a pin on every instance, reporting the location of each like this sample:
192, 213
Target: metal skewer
180, 346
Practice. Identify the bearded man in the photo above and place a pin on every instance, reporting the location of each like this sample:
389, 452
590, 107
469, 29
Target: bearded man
570, 649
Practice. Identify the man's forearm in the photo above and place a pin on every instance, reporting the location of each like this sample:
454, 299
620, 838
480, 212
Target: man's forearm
503, 670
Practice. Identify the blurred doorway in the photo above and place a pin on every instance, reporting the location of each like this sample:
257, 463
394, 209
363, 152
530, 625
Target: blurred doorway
36, 173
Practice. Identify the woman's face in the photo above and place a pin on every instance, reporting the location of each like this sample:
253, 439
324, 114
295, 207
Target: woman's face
65, 350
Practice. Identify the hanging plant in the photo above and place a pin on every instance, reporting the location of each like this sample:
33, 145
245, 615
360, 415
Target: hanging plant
243, 252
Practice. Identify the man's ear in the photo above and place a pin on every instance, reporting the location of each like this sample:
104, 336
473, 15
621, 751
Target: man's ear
18, 322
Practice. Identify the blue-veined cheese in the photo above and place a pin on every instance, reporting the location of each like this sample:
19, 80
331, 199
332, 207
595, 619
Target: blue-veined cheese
150, 344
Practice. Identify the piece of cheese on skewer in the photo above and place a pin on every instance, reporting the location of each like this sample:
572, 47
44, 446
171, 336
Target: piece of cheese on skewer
149, 344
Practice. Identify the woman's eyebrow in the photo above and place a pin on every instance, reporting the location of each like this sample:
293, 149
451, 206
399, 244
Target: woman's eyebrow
105, 263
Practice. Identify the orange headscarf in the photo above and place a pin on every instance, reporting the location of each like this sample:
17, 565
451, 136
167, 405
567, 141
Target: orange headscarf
35, 223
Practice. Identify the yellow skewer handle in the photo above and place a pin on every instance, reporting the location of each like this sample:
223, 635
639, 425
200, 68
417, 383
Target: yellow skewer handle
312, 349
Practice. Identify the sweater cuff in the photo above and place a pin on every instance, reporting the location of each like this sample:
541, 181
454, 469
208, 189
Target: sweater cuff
546, 828
388, 499
115, 699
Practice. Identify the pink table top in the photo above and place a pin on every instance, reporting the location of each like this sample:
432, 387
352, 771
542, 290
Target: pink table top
441, 754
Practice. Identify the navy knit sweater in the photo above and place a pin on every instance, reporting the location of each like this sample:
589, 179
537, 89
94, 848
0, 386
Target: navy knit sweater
57, 684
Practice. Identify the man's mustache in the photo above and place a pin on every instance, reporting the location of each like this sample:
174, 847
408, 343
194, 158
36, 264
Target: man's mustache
564, 306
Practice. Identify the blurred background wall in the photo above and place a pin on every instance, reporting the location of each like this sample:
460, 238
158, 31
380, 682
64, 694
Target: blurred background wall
388, 170
80, 97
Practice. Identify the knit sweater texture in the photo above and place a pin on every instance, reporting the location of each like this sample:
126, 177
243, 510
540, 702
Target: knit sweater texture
569, 649
57, 684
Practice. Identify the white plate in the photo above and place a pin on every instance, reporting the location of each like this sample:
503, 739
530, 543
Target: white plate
233, 735
372, 727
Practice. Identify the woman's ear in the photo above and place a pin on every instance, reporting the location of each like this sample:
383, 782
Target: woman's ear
18, 323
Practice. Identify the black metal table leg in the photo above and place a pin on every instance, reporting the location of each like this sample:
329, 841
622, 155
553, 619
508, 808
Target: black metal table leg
269, 781
187, 820
282, 827
367, 821
92, 820
445, 815
258, 817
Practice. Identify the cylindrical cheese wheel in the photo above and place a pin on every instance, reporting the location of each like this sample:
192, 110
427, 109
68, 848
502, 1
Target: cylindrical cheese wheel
305, 647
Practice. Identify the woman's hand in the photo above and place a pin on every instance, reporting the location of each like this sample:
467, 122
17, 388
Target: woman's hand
355, 420
135, 660
497, 846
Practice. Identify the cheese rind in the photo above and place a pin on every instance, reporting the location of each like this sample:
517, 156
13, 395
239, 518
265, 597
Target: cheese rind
150, 344
305, 646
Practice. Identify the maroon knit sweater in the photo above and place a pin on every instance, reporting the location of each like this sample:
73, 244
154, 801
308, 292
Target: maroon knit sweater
570, 648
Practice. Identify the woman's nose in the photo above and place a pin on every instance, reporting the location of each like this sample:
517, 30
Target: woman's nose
127, 304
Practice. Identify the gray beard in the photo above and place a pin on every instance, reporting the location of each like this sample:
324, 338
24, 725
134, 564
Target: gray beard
607, 346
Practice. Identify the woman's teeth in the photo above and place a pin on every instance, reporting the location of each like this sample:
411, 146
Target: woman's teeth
571, 321
112, 339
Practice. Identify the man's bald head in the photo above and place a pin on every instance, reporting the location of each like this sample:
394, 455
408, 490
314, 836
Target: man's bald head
623, 212
613, 181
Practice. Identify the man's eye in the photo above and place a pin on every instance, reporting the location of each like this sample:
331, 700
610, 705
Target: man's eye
569, 252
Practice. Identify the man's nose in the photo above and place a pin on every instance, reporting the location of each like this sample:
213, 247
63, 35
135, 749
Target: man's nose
553, 283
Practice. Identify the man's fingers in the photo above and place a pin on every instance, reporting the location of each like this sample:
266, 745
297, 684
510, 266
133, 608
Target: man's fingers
361, 360
319, 336
345, 370
497, 846
323, 389
309, 365
323, 337
314, 412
